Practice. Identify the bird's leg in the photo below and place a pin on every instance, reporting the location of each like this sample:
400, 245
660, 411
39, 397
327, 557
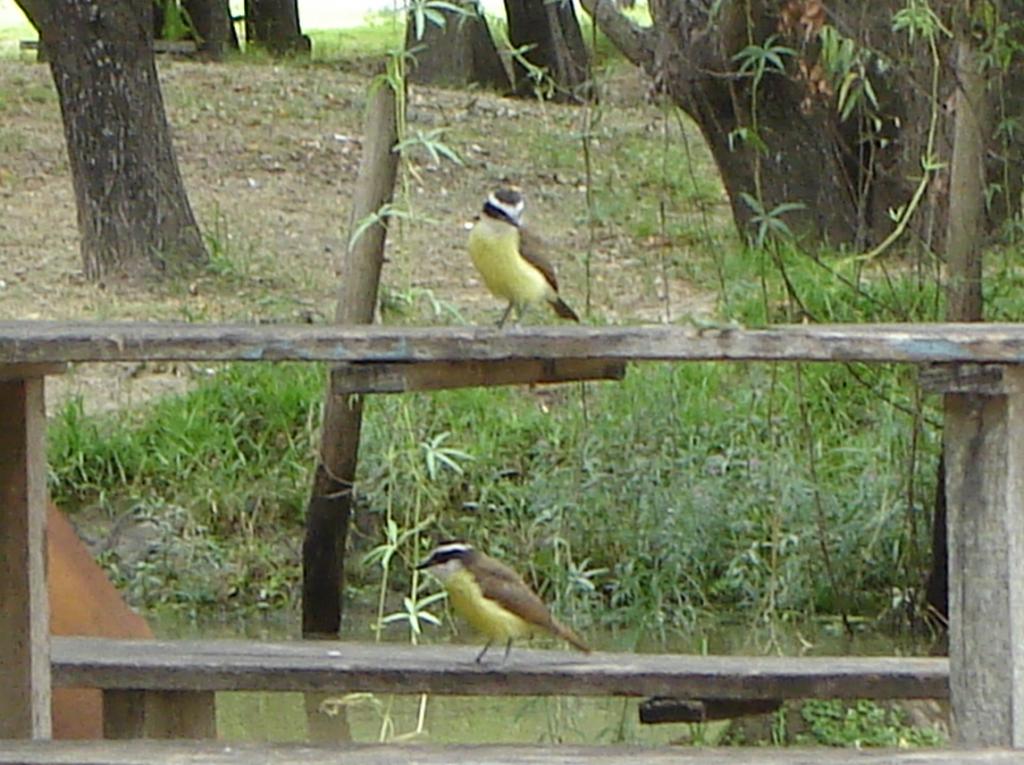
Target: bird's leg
480, 655
504, 316
508, 647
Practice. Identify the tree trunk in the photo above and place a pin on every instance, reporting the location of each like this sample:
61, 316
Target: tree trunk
778, 137
212, 27
159, 16
552, 31
134, 216
460, 53
274, 25
330, 505
964, 238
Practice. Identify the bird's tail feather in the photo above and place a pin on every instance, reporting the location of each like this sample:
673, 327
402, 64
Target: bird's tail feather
562, 309
569, 636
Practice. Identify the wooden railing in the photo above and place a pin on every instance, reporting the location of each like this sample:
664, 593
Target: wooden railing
136, 676
977, 367
196, 752
43, 342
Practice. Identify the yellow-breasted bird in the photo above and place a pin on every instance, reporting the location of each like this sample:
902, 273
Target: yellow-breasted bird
492, 597
510, 258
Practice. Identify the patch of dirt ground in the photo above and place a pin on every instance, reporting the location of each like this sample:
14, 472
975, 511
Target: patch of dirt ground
270, 153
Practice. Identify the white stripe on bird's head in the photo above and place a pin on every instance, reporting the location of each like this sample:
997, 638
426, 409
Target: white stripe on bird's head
508, 201
447, 551
446, 559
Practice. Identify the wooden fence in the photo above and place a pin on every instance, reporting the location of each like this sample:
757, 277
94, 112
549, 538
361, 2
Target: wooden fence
977, 367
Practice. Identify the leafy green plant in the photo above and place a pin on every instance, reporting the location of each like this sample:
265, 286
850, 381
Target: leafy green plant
862, 724
177, 22
421, 12
756, 61
769, 223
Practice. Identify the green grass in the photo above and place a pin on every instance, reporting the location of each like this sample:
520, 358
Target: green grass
381, 33
625, 518
222, 474
241, 437
862, 724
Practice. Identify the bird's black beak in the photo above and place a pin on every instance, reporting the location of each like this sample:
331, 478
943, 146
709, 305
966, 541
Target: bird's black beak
424, 564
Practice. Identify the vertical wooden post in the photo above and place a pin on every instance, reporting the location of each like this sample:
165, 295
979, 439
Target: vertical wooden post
159, 714
330, 503
24, 608
984, 442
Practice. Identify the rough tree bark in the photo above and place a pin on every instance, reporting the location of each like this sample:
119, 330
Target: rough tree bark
459, 53
778, 138
214, 32
274, 25
134, 217
330, 505
552, 31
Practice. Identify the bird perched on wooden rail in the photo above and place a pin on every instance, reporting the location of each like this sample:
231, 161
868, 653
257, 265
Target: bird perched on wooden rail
492, 597
511, 258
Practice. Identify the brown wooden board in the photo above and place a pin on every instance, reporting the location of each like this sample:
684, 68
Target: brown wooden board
159, 714
984, 443
29, 371
332, 495
49, 341
24, 608
446, 375
240, 665
210, 753
982, 379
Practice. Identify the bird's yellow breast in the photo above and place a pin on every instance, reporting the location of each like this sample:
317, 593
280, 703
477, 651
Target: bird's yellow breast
494, 250
485, 616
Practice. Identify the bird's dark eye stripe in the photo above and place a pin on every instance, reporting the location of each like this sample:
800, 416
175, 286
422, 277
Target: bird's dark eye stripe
496, 212
447, 555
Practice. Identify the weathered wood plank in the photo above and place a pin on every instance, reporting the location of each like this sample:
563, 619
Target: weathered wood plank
209, 753
27, 371
45, 341
984, 441
447, 375
239, 665
130, 714
982, 379
24, 609
332, 496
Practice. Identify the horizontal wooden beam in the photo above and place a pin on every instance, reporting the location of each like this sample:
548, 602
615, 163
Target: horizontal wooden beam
446, 375
211, 753
247, 665
28, 371
49, 341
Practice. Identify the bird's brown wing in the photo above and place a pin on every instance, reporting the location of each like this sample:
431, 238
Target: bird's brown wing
504, 586
531, 247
